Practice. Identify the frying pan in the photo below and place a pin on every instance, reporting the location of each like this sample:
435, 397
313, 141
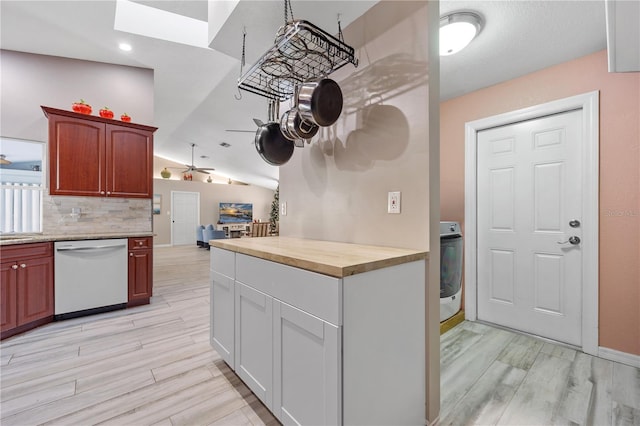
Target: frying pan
270, 143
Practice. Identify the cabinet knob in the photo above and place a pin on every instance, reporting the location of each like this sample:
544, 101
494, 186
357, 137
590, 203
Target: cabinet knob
23, 265
108, 192
14, 266
130, 254
101, 192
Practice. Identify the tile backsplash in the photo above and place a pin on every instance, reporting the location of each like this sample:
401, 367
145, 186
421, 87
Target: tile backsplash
96, 215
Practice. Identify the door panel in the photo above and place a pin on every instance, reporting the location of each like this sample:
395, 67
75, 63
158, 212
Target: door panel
529, 189
222, 316
129, 162
185, 215
253, 341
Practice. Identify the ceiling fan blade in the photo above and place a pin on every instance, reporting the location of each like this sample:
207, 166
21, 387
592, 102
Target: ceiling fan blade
258, 122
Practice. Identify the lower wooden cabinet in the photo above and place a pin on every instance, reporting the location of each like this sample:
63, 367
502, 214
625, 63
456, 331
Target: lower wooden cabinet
140, 281
27, 287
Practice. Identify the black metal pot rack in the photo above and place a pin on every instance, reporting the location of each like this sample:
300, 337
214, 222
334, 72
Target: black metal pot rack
303, 53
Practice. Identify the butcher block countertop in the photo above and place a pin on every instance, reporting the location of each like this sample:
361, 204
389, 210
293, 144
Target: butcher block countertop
325, 257
12, 239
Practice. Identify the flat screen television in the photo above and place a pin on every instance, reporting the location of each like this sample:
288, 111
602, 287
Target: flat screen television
236, 212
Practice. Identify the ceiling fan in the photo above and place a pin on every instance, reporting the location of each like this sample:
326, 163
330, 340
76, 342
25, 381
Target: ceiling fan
191, 167
258, 122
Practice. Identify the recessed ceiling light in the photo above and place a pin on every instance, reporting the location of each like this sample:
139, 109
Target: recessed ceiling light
457, 30
125, 46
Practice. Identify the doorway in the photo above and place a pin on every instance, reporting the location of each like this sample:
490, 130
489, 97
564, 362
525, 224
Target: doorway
531, 185
185, 216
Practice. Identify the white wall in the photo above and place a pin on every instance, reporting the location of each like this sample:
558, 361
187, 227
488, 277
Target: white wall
29, 81
336, 187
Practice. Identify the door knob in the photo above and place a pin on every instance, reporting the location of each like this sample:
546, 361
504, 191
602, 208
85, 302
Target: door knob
572, 240
574, 223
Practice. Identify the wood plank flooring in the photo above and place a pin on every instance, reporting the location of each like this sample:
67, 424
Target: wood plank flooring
491, 376
153, 365
147, 365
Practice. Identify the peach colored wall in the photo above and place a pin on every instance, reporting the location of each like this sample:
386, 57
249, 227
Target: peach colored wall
619, 315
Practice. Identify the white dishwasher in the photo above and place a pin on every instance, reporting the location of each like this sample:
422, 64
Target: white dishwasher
90, 277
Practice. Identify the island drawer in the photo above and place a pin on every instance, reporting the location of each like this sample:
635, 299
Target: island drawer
317, 294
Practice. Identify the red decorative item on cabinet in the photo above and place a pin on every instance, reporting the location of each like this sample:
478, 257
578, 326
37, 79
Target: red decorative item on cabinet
82, 107
124, 117
106, 113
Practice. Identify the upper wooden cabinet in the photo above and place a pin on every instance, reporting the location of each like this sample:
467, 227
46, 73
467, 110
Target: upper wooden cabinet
95, 156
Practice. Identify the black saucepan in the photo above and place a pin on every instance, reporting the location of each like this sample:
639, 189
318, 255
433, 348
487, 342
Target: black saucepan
320, 102
272, 146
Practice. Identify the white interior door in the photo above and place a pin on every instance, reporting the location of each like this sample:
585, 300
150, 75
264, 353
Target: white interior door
185, 216
529, 204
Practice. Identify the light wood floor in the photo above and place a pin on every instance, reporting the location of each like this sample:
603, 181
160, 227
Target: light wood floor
154, 365
491, 376
147, 365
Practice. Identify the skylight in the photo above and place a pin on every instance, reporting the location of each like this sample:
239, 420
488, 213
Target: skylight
148, 21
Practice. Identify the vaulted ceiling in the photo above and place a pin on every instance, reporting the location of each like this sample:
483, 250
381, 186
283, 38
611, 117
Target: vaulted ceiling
196, 98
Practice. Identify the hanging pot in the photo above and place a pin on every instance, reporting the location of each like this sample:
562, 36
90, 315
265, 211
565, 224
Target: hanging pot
270, 143
294, 127
320, 102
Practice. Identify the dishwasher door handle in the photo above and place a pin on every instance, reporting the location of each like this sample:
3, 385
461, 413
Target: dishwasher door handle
89, 248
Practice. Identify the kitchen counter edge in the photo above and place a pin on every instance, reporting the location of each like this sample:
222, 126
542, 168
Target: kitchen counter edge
28, 239
331, 258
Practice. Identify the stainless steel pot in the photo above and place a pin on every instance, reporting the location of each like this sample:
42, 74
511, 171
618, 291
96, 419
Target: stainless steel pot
294, 127
320, 102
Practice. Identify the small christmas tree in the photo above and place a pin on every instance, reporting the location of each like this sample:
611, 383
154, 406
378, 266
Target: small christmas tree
275, 211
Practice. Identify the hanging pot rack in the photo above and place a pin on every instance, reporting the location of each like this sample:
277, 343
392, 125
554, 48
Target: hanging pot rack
303, 53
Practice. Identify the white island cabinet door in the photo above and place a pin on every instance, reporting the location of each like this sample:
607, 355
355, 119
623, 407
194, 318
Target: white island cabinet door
222, 304
306, 370
254, 342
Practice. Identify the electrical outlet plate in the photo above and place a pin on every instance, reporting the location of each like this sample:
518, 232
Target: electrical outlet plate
393, 202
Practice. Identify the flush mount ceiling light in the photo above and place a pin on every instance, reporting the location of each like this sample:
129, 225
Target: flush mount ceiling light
457, 29
125, 46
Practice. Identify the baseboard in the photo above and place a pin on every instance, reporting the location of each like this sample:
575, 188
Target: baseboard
162, 245
448, 324
621, 357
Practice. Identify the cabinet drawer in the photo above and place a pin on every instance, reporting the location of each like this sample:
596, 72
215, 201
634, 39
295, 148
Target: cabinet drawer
223, 262
26, 251
309, 291
139, 243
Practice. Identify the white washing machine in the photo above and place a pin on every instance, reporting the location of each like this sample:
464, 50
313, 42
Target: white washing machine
450, 269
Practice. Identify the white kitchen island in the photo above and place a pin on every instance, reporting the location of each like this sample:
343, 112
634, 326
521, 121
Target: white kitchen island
323, 332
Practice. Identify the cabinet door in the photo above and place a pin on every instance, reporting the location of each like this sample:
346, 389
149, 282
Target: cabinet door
222, 316
76, 157
307, 386
8, 300
253, 341
35, 289
140, 276
129, 162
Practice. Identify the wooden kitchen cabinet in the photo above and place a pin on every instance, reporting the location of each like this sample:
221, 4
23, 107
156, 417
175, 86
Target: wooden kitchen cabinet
140, 272
95, 156
27, 287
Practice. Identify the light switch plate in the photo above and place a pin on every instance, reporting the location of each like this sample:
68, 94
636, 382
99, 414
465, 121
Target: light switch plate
393, 202
283, 209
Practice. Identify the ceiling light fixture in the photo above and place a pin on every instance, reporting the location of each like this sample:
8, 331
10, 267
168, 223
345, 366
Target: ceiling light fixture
3, 160
457, 30
125, 46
